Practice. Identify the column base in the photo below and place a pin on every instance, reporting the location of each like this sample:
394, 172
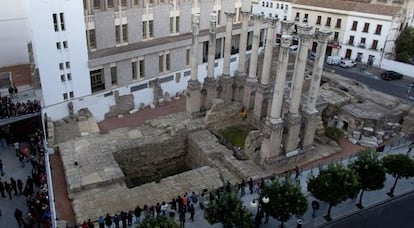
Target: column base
293, 125
311, 120
193, 102
271, 146
248, 93
226, 88
239, 80
210, 87
262, 101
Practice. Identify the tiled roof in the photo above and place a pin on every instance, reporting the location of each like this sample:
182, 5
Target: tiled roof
352, 6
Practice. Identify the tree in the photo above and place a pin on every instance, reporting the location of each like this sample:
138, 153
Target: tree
286, 199
371, 173
333, 185
398, 165
404, 45
229, 211
160, 221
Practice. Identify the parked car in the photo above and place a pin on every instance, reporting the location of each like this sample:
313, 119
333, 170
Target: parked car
390, 75
293, 48
347, 63
312, 55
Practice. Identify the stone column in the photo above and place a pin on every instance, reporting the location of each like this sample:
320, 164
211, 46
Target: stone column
287, 27
251, 80
225, 80
310, 112
263, 92
294, 118
193, 102
271, 146
210, 83
240, 76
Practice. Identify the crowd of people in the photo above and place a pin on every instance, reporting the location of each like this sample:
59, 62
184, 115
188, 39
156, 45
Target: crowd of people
34, 189
10, 108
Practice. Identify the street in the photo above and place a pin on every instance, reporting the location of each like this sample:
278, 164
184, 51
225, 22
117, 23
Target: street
397, 88
395, 213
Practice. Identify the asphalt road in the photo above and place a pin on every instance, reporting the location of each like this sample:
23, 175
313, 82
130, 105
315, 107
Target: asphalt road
397, 88
396, 213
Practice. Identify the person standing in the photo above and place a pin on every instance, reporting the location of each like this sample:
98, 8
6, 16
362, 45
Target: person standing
137, 213
192, 212
182, 219
18, 214
20, 186
8, 189
13, 184
1, 168
2, 189
250, 185
101, 222
108, 221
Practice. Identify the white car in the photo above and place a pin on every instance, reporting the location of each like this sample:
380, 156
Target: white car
293, 48
347, 63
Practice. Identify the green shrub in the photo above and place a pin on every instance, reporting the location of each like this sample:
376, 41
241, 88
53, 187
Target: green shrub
334, 133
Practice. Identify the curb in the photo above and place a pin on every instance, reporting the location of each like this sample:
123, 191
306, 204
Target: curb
365, 209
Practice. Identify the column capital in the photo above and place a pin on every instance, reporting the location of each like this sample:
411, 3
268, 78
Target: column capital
287, 27
285, 41
272, 21
304, 32
322, 35
229, 15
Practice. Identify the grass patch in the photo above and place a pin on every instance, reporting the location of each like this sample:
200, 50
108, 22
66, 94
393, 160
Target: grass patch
235, 135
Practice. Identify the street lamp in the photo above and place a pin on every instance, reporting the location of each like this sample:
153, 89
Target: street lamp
259, 213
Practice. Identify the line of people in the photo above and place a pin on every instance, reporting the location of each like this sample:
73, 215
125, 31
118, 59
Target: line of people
9, 108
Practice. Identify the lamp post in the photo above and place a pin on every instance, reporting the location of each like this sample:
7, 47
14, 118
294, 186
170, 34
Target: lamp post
257, 203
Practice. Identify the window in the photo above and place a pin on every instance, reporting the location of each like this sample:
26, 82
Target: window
286, 7
374, 45
114, 79
144, 30
125, 33
338, 23
281, 6
263, 4
91, 39
110, 3
150, 28
177, 24
354, 25
336, 35
328, 21
351, 40
167, 62
318, 20
55, 22
305, 19
67, 65
123, 3
61, 66
141, 69
96, 4
297, 16
187, 56
164, 62
271, 5
161, 63
135, 3
65, 96
366, 27
118, 34
69, 77
71, 94
277, 5
58, 45
172, 25
65, 44
97, 82
267, 4
62, 22
378, 30
62, 78
134, 70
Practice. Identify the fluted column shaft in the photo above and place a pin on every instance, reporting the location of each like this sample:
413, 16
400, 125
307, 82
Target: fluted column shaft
322, 37
255, 48
300, 64
267, 60
211, 46
279, 88
241, 67
194, 46
227, 43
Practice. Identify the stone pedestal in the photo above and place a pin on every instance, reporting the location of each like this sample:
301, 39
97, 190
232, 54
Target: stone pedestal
311, 121
193, 103
271, 146
226, 87
238, 84
262, 101
248, 93
293, 124
210, 85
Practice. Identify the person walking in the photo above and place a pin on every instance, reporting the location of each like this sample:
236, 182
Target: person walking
137, 213
101, 222
18, 215
1, 168
13, 184
192, 212
8, 189
20, 186
182, 219
251, 185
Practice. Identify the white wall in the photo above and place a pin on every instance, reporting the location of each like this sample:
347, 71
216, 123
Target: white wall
402, 68
268, 11
14, 34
